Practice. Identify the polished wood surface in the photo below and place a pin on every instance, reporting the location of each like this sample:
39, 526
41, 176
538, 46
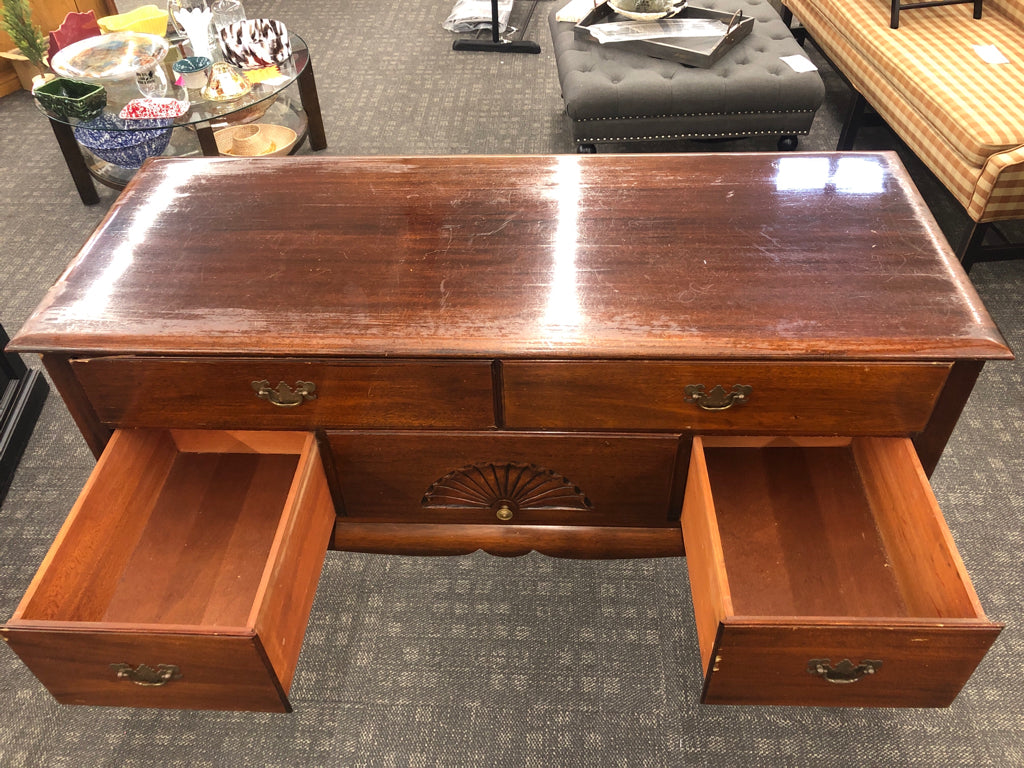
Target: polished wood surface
719, 255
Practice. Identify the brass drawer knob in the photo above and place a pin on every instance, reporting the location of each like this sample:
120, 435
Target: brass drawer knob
844, 672
146, 675
717, 399
504, 513
284, 396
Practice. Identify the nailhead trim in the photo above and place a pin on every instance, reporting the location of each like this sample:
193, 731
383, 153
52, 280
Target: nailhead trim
694, 114
663, 136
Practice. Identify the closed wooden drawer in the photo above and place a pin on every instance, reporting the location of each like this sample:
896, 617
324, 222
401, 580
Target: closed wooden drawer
787, 398
507, 478
824, 574
184, 575
219, 393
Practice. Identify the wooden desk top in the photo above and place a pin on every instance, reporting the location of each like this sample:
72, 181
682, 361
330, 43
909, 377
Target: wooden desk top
819, 256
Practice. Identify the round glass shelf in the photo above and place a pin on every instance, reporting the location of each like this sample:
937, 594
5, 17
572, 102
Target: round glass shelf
266, 84
286, 111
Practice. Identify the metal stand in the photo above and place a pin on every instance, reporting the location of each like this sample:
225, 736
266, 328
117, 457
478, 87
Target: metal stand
496, 43
22, 394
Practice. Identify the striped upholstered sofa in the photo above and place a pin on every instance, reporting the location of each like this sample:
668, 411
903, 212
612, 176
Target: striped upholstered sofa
963, 117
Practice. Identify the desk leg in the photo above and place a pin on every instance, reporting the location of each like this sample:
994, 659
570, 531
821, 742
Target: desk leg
931, 441
311, 105
75, 162
207, 141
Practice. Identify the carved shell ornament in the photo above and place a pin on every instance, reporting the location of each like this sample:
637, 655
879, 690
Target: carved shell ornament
513, 485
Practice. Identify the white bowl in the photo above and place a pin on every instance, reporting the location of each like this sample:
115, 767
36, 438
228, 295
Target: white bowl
627, 8
117, 56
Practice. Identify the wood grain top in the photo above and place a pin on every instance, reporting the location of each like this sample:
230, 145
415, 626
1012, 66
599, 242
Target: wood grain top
819, 256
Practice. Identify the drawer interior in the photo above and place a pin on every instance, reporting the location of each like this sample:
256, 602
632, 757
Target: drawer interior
174, 528
816, 563
845, 527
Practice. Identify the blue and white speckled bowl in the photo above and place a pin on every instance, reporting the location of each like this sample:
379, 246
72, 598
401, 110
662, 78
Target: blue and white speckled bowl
109, 139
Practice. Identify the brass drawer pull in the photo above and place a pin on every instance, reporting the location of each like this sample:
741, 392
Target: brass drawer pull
717, 399
146, 675
844, 672
284, 396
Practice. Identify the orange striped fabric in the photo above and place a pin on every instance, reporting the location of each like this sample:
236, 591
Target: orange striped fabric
953, 110
932, 60
999, 194
1011, 9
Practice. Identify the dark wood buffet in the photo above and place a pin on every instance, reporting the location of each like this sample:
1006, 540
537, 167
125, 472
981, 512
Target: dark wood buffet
758, 356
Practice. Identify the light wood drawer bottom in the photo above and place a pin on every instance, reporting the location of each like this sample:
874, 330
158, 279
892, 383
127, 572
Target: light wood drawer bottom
184, 575
823, 573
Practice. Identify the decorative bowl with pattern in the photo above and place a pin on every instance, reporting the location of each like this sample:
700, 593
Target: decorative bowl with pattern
116, 56
124, 143
255, 43
153, 109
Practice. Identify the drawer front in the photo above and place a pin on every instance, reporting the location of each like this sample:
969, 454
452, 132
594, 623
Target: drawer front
78, 667
220, 393
796, 663
507, 478
822, 573
783, 398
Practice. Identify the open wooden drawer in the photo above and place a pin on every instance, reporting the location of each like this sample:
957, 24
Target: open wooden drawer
184, 575
823, 573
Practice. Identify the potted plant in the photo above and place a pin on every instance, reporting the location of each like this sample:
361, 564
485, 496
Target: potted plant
32, 43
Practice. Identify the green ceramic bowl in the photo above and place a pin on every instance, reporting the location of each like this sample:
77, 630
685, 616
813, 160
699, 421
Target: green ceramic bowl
71, 98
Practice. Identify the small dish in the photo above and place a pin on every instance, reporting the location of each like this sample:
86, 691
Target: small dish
153, 109
255, 43
194, 71
646, 10
71, 98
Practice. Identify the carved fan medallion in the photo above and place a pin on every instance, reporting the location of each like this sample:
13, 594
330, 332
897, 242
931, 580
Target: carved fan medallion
513, 485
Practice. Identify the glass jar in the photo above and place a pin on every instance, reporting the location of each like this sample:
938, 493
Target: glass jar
227, 12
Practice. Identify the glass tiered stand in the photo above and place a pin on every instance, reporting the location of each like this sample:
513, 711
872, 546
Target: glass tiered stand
288, 98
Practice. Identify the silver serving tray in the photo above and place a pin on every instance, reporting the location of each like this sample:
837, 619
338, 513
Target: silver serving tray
695, 52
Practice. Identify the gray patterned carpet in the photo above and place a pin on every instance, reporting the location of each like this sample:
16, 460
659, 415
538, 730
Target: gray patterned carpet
478, 660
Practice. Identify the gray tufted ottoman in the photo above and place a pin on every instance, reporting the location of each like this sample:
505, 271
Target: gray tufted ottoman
615, 95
